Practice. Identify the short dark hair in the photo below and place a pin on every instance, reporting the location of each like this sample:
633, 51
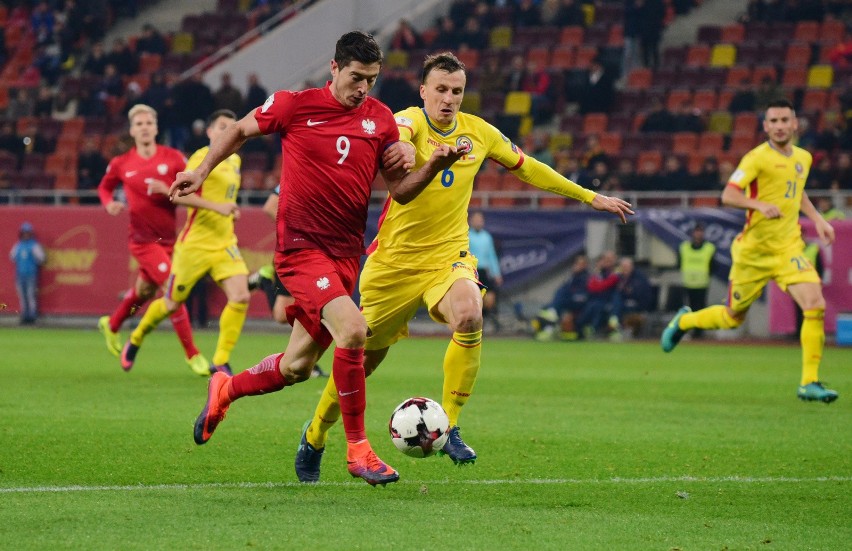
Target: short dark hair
227, 113
780, 102
357, 46
444, 61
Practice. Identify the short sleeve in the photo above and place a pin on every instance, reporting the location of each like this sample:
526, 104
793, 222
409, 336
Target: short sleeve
275, 113
407, 124
745, 173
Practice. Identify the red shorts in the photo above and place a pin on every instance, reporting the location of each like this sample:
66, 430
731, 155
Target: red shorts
155, 261
315, 279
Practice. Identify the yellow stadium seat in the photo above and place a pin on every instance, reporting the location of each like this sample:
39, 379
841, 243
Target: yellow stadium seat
518, 103
182, 43
472, 102
723, 55
561, 140
720, 121
820, 76
526, 126
397, 59
500, 38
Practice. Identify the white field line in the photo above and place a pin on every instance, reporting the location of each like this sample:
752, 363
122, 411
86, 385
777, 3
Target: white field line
499, 482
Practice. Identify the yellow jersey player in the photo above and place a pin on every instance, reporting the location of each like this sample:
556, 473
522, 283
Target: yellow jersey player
207, 244
420, 256
769, 184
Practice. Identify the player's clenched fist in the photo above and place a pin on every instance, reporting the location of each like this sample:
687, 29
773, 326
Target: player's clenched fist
186, 182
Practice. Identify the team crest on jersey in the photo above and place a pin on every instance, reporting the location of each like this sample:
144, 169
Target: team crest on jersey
799, 168
162, 169
404, 121
368, 126
323, 283
463, 142
268, 103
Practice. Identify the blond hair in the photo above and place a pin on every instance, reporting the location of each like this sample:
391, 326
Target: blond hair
141, 108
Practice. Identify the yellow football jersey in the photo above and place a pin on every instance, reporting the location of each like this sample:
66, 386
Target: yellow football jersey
768, 175
207, 229
433, 227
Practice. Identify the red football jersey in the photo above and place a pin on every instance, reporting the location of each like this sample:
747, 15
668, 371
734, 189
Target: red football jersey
152, 216
330, 156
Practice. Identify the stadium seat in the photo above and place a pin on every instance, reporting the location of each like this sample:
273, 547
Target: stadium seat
518, 103
794, 77
149, 63
615, 37
742, 144
724, 98
748, 52
745, 124
560, 140
572, 36
806, 31
563, 57
551, 201
469, 57
698, 55
488, 180
648, 159
710, 143
640, 79
814, 100
832, 31
763, 71
737, 75
621, 123
733, 33
540, 55
182, 43
820, 76
678, 97
500, 38
720, 121
585, 56
595, 123
674, 56
610, 143
397, 59
666, 77
472, 101
252, 179
723, 55
798, 55
705, 99
684, 143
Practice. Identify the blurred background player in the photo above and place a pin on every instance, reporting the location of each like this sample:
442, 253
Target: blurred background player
771, 246
28, 256
207, 244
152, 227
347, 136
695, 258
488, 265
421, 255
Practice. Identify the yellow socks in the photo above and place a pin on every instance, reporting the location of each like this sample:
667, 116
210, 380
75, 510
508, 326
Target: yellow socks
230, 326
155, 314
812, 338
712, 317
461, 364
325, 416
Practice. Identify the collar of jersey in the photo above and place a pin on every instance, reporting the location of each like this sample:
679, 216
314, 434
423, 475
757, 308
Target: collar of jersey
444, 133
775, 149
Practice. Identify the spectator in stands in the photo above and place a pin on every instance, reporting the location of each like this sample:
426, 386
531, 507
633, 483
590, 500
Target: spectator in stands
72, 14
568, 165
596, 176
197, 137
744, 99
35, 141
832, 135
90, 105
726, 168
28, 256
674, 177
767, 91
688, 119
158, 96
536, 82
10, 141
765, 10
537, 144
659, 119
631, 28
91, 166
227, 96
192, 100
599, 92
21, 104
150, 41
126, 63
94, 20
405, 37
97, 61
447, 35
472, 35
634, 297
527, 14
593, 152
602, 287
397, 90
492, 78
842, 172
132, 96
569, 13
651, 16
42, 20
64, 106
708, 178
48, 61
516, 73
483, 248
806, 135
44, 102
4, 54
256, 94
626, 173
568, 302
111, 84
825, 205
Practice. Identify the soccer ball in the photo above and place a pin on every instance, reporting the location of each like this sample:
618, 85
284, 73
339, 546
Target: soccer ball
419, 427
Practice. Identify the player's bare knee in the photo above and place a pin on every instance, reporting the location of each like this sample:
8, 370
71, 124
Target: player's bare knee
297, 371
468, 320
353, 335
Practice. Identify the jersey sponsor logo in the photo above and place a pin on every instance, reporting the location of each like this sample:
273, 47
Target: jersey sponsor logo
323, 283
315, 123
268, 103
130, 173
368, 126
436, 143
404, 121
737, 176
162, 169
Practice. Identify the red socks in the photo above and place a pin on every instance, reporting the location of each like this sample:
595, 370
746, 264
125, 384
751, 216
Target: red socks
348, 371
263, 378
180, 321
129, 305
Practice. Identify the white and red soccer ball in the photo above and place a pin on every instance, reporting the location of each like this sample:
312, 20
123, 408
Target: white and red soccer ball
419, 427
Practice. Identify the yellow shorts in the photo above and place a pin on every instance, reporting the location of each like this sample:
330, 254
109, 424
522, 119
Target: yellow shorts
189, 264
390, 296
751, 271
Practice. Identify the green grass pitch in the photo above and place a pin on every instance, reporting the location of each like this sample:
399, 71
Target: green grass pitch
581, 446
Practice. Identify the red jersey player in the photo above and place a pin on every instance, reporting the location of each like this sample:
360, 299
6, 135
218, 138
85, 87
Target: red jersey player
334, 140
152, 228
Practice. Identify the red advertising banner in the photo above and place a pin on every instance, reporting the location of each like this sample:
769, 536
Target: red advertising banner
88, 264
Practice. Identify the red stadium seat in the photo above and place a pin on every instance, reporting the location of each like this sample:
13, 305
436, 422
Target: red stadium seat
698, 55
815, 100
706, 100
572, 36
640, 79
610, 143
806, 31
595, 123
710, 143
684, 143
733, 33
563, 57
798, 55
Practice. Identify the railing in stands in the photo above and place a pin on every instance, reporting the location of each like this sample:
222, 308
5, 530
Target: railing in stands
533, 200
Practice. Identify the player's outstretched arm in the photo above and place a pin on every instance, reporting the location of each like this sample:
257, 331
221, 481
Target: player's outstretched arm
406, 189
228, 142
823, 228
